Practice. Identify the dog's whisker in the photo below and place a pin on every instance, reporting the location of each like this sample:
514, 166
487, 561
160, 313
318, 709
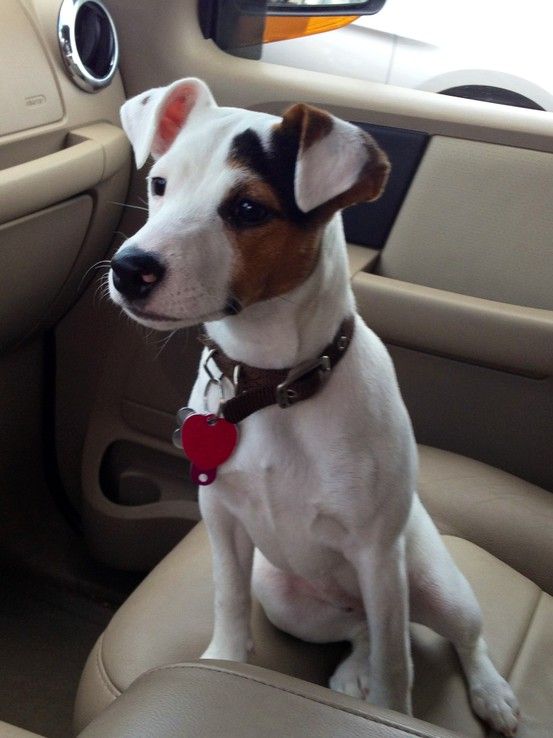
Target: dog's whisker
101, 295
103, 264
164, 343
97, 293
102, 280
128, 205
102, 289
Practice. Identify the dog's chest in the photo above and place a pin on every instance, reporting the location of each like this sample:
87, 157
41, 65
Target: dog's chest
283, 522
283, 496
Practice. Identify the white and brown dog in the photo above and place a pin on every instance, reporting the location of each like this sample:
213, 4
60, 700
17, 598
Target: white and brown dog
316, 508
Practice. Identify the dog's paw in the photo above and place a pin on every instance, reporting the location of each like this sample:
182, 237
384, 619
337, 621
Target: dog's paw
495, 702
351, 677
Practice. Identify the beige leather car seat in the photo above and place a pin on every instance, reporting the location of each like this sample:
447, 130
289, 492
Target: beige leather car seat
204, 700
498, 528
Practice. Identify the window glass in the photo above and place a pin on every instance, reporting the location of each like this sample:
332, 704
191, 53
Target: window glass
495, 50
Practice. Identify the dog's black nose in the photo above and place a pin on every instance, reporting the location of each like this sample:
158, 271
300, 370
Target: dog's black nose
135, 273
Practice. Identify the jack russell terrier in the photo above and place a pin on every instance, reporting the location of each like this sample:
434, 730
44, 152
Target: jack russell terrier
313, 505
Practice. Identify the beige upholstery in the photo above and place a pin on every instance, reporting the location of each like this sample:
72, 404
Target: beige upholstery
11, 731
211, 699
169, 617
503, 514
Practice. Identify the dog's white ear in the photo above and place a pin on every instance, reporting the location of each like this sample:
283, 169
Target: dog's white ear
153, 119
336, 161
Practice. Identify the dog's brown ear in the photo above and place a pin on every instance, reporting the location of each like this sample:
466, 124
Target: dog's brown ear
153, 119
337, 162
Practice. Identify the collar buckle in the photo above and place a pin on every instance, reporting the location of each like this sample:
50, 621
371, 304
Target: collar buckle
287, 395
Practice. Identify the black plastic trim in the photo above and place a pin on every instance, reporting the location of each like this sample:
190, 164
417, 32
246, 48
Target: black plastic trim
365, 8
206, 17
487, 93
236, 27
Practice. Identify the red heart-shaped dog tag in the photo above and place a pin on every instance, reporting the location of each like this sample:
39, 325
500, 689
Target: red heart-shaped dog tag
202, 477
207, 440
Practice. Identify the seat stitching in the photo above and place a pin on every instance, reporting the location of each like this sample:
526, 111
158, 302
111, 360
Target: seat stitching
100, 666
351, 710
524, 638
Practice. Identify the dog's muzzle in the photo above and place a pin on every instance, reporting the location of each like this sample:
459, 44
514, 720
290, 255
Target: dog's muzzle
135, 273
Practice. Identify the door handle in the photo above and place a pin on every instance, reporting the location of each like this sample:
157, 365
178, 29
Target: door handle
92, 154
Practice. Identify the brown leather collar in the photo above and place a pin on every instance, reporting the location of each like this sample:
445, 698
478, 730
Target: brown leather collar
258, 388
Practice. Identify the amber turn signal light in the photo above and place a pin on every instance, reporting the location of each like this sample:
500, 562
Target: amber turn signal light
282, 27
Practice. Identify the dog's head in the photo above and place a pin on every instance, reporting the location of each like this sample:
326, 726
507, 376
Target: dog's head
237, 202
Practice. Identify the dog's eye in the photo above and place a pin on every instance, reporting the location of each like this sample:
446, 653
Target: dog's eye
158, 185
249, 212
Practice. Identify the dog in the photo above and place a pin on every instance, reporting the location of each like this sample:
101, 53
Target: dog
315, 508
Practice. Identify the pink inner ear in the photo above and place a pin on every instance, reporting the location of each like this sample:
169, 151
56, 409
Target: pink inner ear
174, 115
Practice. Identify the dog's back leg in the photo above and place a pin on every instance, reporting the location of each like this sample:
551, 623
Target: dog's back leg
292, 606
442, 599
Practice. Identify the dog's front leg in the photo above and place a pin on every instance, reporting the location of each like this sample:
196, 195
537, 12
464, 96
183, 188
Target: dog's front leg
381, 570
232, 551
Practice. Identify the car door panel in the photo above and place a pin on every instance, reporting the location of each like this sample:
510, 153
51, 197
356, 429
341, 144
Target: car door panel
486, 225
57, 145
22, 49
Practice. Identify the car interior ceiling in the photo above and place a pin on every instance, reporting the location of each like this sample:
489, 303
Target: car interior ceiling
99, 535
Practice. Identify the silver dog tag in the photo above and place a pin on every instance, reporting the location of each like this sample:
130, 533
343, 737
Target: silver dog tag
182, 414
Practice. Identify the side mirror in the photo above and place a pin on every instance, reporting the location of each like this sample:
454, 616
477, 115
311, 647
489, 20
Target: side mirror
242, 26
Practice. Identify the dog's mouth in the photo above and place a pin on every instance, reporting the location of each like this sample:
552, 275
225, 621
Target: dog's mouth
160, 320
145, 315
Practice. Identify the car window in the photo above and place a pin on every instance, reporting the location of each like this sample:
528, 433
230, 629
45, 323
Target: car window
495, 51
